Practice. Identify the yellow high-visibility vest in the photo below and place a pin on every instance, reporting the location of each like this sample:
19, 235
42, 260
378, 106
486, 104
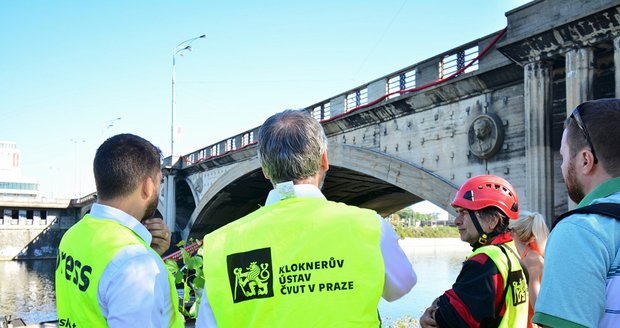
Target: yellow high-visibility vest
301, 262
517, 296
84, 252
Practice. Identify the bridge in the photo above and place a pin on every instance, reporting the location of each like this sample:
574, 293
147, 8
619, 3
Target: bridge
495, 105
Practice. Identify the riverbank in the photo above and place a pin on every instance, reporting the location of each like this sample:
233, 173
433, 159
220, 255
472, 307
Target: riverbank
414, 246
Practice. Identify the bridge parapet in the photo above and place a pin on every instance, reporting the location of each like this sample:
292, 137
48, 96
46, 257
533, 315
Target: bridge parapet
470, 57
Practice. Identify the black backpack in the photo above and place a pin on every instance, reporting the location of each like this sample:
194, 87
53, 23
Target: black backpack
608, 209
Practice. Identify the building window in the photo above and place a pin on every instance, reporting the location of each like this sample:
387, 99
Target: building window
14, 216
43, 220
29, 217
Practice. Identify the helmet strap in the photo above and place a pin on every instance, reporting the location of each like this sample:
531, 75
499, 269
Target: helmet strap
483, 237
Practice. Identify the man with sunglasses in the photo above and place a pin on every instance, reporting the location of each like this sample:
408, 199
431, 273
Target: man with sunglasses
581, 280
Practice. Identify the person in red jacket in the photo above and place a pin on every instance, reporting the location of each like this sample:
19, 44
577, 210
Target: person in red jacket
491, 289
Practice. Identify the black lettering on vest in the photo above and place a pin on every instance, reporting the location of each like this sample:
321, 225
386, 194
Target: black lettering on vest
67, 323
85, 278
518, 286
75, 271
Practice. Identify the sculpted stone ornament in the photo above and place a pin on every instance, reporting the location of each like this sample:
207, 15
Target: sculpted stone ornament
485, 135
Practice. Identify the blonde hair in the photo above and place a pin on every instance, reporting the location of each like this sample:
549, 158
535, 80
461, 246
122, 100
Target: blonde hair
528, 225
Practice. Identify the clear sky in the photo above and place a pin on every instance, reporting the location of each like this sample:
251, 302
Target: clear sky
69, 69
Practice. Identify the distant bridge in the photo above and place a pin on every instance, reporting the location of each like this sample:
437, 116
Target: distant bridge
494, 105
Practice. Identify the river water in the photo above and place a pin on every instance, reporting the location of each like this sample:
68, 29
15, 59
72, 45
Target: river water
27, 287
437, 262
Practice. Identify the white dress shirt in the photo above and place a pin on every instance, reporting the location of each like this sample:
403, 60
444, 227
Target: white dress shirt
133, 290
399, 274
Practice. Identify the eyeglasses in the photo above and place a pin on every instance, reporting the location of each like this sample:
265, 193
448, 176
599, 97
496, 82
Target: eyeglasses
577, 116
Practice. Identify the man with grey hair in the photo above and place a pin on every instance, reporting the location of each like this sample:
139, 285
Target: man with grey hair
300, 259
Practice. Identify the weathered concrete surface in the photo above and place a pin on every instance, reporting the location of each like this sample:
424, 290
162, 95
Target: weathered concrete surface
23, 237
418, 145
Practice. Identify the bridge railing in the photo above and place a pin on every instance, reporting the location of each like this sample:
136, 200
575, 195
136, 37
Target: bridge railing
221, 148
466, 58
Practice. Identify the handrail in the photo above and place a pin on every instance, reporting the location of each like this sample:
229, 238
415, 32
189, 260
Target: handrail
360, 93
178, 255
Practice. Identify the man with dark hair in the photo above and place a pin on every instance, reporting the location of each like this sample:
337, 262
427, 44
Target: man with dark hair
107, 275
301, 260
581, 279
491, 289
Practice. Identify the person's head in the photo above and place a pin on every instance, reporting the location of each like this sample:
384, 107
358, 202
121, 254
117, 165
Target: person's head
530, 227
482, 129
589, 146
292, 146
126, 164
484, 206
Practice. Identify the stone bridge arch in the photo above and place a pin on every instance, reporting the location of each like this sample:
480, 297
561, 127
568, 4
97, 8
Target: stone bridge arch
357, 176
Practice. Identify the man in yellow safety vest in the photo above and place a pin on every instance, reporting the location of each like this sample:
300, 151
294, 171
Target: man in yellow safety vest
301, 260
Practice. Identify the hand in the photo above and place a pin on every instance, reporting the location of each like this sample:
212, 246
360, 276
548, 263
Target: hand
427, 320
161, 234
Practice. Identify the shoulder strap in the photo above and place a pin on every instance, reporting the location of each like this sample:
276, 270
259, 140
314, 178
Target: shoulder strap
498, 310
608, 209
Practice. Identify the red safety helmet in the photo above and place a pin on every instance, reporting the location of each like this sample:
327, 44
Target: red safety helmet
488, 190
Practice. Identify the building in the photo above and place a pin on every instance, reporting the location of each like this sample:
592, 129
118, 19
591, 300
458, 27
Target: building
31, 226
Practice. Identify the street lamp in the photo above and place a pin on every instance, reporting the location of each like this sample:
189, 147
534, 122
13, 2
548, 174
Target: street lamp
185, 45
78, 167
109, 124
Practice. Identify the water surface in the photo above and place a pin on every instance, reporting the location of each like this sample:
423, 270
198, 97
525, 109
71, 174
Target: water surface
27, 287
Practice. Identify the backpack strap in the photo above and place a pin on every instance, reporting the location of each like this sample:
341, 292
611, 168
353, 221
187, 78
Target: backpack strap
611, 210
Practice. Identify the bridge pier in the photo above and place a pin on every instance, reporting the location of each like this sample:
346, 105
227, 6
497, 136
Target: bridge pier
170, 206
538, 121
579, 77
579, 80
616, 42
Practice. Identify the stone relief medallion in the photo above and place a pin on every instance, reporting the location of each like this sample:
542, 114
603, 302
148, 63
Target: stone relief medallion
485, 135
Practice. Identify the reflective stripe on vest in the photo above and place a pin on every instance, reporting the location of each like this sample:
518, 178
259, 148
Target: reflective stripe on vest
517, 299
297, 263
84, 252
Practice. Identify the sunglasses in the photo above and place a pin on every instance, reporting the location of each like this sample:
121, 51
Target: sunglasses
577, 116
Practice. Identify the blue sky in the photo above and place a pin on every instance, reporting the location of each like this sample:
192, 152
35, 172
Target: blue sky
70, 68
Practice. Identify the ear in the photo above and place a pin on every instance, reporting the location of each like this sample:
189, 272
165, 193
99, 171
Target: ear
147, 187
324, 162
586, 162
265, 173
493, 222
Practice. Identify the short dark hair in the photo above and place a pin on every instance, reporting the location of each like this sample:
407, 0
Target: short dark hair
290, 146
601, 118
121, 163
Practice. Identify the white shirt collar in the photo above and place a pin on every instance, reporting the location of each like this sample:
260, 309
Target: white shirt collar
289, 190
100, 211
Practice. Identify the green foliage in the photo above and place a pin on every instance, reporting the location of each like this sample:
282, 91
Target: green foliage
191, 276
407, 213
404, 322
427, 232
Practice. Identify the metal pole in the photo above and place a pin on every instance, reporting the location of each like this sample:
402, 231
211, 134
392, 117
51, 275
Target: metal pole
173, 110
185, 45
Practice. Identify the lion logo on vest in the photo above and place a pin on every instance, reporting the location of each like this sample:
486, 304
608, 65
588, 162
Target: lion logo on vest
250, 274
254, 280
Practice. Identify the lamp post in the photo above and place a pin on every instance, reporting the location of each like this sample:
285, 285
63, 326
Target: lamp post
170, 209
108, 124
185, 45
78, 176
